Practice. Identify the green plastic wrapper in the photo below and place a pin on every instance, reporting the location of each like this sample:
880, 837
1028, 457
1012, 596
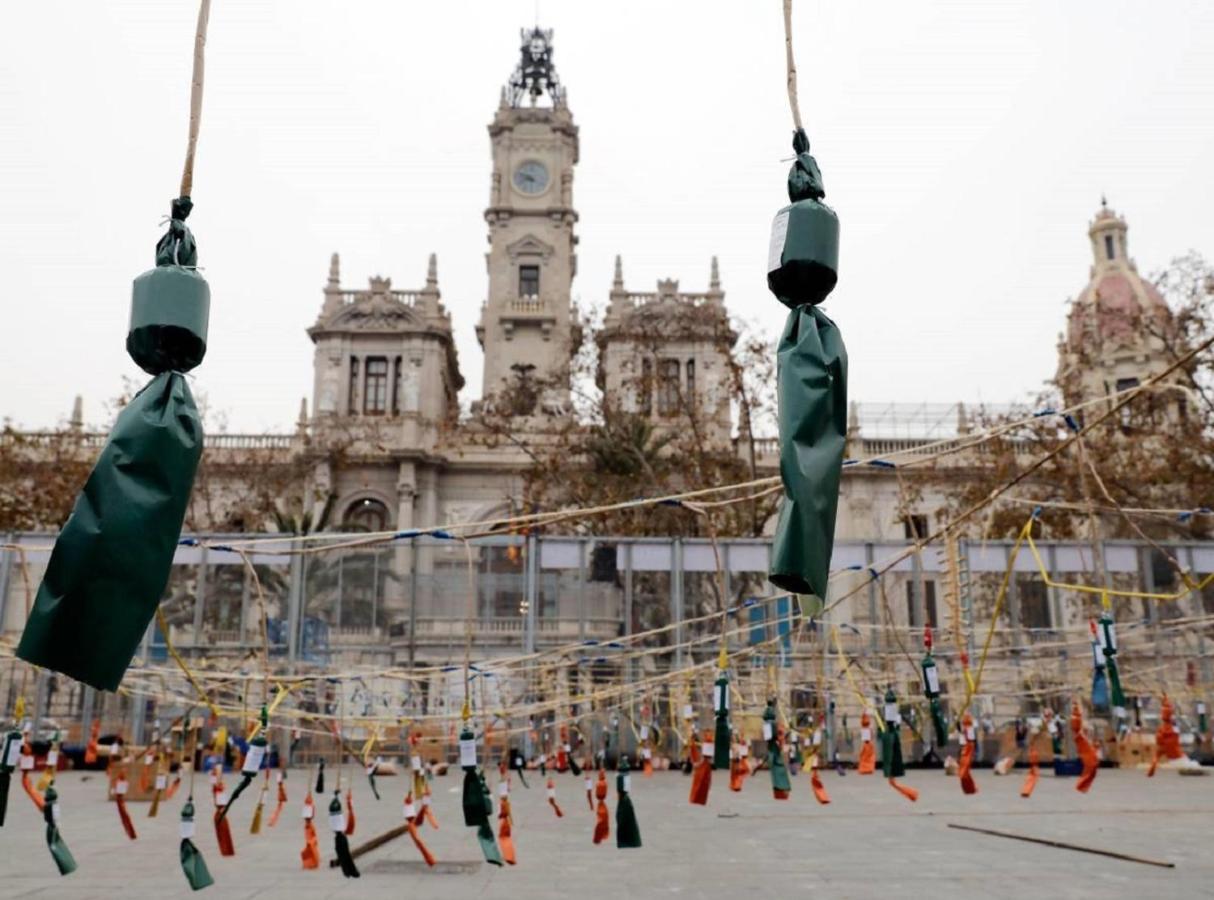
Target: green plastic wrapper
811, 381
108, 570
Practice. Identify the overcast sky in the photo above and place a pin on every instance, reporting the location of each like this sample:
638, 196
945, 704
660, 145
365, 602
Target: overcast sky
964, 145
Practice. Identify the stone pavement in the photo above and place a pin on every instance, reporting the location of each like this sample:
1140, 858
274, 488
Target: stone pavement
869, 842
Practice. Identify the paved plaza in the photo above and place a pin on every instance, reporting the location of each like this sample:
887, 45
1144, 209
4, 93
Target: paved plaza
869, 842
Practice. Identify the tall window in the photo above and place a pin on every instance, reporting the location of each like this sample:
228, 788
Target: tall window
929, 602
375, 403
1034, 602
668, 387
366, 515
1108, 246
528, 281
691, 380
396, 385
353, 399
645, 389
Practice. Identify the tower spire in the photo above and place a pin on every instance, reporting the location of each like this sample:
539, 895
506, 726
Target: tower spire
334, 271
714, 277
617, 283
432, 271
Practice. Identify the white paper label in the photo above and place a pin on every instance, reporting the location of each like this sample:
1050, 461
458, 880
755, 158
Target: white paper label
410, 811
707, 749
425, 800
644, 732
337, 821
12, 755
891, 713
817, 736
646, 753
115, 750
1052, 728
308, 811
121, 787
767, 731
866, 734
55, 813
933, 679
27, 762
743, 751
779, 230
568, 749
543, 760
278, 777
415, 763
187, 829
1201, 708
551, 793
716, 697
221, 799
502, 789
467, 752
969, 734
627, 784
161, 782
687, 713
149, 759
52, 758
253, 759
589, 784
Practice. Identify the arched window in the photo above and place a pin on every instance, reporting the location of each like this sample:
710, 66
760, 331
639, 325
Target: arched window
366, 515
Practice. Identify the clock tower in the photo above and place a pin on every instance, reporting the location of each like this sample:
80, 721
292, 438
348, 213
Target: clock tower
528, 328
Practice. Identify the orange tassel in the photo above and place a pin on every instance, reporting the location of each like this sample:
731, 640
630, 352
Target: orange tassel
223, 834
120, 789
173, 786
28, 784
601, 826
701, 781
647, 763
349, 813
867, 763
505, 840
737, 773
819, 790
908, 792
310, 854
552, 798
423, 849
1030, 780
968, 747
90, 750
282, 801
428, 809
1167, 738
1087, 752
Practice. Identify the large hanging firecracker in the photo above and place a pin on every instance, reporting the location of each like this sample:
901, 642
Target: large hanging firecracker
969, 747
281, 778
720, 703
1030, 780
931, 688
627, 831
867, 763
310, 854
341, 845
121, 786
219, 797
110, 563
1087, 752
253, 759
550, 791
891, 747
54, 840
477, 801
602, 821
192, 863
701, 777
1106, 632
505, 823
1167, 738
1100, 683
781, 785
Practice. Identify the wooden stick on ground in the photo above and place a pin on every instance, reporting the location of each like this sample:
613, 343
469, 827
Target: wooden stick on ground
375, 843
1065, 846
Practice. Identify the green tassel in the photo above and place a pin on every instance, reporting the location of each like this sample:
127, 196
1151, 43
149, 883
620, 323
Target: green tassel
627, 831
320, 778
1115, 693
54, 840
720, 744
473, 800
938, 723
192, 864
779, 769
6, 779
891, 753
484, 834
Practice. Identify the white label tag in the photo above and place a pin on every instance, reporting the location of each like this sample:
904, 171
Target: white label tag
891, 713
115, 750
1201, 708
568, 749
12, 753
646, 753
866, 734
779, 230
161, 782
707, 749
253, 759
933, 679
817, 736
410, 811
969, 734
687, 713
551, 793
52, 758
627, 784
543, 760
589, 784
415, 763
743, 751
425, 800
337, 821
767, 731
187, 829
467, 752
221, 799
716, 696
121, 786
502, 789
55, 813
644, 732
27, 762
278, 777
149, 759
308, 810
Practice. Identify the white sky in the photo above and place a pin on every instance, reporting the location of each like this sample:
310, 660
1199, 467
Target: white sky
964, 145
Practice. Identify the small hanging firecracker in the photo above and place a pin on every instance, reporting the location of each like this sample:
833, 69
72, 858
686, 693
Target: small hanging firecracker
1030, 780
781, 784
867, 762
931, 688
371, 769
160, 783
814, 757
969, 747
1167, 738
505, 834
1100, 684
27, 764
602, 826
701, 779
575, 734
518, 765
1107, 634
627, 831
54, 840
310, 855
1087, 751
219, 796
51, 764
477, 801
412, 817
720, 703
253, 759
90, 749
341, 846
10, 758
255, 825
120, 788
646, 751
551, 792
891, 748
588, 784
320, 778
562, 752
738, 769
192, 863
1054, 731
281, 778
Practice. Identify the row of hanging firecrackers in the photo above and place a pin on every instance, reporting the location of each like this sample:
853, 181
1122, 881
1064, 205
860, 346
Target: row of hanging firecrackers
310, 854
477, 801
110, 563
280, 778
120, 788
701, 753
813, 761
811, 379
781, 785
602, 820
891, 748
931, 688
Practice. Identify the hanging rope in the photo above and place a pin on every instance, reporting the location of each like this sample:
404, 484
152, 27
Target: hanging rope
791, 66
200, 43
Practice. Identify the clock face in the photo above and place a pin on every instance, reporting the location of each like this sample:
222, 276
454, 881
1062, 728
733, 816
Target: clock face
531, 177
